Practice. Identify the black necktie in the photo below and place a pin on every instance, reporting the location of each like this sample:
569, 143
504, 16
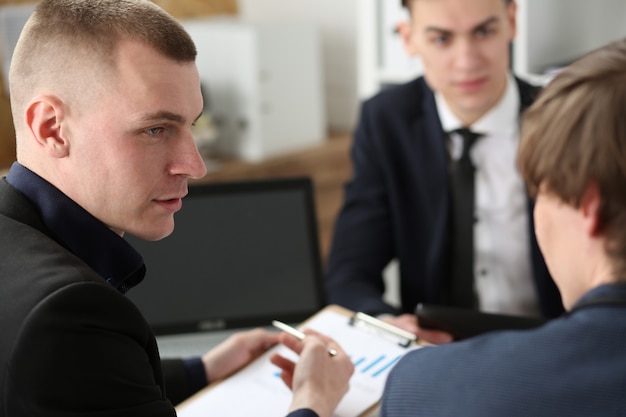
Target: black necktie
462, 222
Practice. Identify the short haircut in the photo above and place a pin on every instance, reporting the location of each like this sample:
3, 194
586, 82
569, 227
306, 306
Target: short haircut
407, 3
65, 34
575, 134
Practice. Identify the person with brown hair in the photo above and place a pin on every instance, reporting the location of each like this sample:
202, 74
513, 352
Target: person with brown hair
573, 158
104, 94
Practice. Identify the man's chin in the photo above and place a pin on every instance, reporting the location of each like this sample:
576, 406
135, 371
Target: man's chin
152, 234
474, 107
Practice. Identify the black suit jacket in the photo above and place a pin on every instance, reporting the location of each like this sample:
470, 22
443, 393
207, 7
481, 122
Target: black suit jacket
70, 343
396, 206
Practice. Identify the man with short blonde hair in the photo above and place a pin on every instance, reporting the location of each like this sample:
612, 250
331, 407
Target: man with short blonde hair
104, 95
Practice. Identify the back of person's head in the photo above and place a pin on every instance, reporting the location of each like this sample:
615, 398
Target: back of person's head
66, 40
575, 135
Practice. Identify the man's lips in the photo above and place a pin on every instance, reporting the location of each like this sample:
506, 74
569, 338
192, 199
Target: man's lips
471, 85
171, 204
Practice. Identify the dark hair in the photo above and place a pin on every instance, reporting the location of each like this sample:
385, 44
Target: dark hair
575, 134
407, 3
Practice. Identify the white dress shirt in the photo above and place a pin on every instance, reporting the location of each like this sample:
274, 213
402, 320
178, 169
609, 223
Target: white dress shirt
502, 261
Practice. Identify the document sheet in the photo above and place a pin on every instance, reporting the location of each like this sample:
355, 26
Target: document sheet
258, 390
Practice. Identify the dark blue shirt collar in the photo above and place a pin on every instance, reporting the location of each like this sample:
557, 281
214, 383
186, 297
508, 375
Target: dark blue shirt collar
103, 250
613, 293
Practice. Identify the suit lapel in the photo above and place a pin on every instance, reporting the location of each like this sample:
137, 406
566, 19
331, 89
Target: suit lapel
547, 291
431, 162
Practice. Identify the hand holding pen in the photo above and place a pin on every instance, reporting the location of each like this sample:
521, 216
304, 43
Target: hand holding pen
297, 333
319, 379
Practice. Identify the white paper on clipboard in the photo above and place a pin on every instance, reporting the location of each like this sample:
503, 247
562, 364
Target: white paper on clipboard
258, 390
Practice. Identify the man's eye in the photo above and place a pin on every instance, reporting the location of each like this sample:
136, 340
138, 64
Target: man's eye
155, 131
484, 32
441, 40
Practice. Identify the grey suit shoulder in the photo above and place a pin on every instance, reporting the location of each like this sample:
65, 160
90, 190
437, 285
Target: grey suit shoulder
573, 366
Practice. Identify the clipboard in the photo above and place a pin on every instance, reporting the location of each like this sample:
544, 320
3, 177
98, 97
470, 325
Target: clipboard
373, 345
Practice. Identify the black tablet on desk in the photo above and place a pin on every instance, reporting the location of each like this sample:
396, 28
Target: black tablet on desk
462, 323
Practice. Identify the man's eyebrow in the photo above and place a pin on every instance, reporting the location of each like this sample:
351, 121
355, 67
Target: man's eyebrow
487, 22
482, 24
166, 115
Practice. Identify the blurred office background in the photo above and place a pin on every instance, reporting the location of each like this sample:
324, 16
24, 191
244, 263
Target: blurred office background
283, 79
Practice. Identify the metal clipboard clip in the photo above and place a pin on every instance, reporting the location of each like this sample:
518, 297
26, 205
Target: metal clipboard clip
372, 324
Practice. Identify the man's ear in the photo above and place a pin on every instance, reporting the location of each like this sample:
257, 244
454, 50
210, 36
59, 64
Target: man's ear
406, 34
590, 209
44, 118
512, 17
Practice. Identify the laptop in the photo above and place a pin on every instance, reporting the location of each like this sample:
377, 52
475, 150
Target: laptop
241, 255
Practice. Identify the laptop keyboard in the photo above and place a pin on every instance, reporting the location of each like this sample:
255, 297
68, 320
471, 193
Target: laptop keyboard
191, 344
194, 344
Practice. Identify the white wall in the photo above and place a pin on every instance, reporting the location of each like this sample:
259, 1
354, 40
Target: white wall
360, 53
558, 31
12, 20
549, 32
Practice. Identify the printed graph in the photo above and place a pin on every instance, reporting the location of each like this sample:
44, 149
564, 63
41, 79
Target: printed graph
376, 367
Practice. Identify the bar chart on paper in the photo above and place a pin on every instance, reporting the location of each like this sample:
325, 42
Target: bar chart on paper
375, 367
265, 393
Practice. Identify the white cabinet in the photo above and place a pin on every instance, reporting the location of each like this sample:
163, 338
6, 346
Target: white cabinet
264, 84
337, 22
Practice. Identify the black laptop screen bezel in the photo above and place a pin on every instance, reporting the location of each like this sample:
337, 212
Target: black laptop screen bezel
301, 185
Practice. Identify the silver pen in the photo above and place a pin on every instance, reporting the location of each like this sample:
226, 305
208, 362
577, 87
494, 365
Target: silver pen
296, 333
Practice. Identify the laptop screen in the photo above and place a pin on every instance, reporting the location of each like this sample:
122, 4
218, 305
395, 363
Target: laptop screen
241, 254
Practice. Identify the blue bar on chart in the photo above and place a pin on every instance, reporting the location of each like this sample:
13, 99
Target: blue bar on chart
374, 367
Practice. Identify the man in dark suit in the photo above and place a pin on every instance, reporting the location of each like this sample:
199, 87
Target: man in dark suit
104, 95
400, 202
573, 157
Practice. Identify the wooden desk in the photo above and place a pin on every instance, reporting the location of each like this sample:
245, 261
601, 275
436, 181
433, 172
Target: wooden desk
328, 166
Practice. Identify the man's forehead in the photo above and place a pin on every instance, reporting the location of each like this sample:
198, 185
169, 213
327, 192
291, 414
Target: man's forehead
467, 27
433, 7
454, 16
409, 3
